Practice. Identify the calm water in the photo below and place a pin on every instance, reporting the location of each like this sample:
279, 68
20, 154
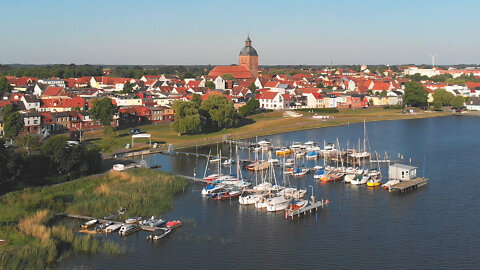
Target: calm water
436, 226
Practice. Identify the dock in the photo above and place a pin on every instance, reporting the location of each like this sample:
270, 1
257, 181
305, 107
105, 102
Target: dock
144, 228
409, 185
308, 209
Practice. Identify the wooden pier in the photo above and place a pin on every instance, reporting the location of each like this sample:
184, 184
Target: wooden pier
409, 185
308, 209
101, 221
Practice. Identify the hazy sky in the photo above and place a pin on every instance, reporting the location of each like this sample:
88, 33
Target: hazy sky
213, 32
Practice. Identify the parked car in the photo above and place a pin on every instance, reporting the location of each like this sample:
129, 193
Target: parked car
134, 131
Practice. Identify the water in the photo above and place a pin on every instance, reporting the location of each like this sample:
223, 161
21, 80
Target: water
433, 227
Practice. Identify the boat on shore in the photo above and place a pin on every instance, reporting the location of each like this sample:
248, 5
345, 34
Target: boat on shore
113, 227
133, 220
89, 224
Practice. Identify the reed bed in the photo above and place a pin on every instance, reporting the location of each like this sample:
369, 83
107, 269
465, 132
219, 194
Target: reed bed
36, 241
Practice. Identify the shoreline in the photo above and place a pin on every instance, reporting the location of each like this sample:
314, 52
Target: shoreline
271, 129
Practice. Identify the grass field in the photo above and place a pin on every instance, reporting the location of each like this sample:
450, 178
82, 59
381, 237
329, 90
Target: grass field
36, 241
261, 124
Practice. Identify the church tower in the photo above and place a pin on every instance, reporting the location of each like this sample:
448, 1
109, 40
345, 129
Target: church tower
249, 58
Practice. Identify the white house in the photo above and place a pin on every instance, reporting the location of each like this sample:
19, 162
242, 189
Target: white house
314, 100
274, 100
473, 104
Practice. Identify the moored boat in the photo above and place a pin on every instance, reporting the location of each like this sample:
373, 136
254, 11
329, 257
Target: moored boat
133, 220
162, 232
128, 229
174, 224
89, 224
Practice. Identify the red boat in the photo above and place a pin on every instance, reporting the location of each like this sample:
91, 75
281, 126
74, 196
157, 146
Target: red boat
228, 195
173, 224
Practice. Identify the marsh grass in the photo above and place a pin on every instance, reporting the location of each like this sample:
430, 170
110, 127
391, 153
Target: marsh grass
37, 241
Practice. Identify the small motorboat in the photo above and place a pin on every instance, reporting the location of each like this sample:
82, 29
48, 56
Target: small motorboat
89, 224
390, 183
133, 220
121, 211
113, 227
174, 224
297, 205
300, 171
374, 182
102, 227
153, 222
162, 232
227, 195
128, 229
247, 198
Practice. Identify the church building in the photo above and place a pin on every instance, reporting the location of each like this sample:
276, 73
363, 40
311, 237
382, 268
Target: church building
248, 64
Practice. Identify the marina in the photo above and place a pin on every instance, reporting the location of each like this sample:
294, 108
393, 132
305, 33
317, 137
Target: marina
388, 224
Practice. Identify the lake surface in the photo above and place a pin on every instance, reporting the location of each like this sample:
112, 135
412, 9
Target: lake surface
437, 226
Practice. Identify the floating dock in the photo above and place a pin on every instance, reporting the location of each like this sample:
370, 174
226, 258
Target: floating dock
408, 185
308, 209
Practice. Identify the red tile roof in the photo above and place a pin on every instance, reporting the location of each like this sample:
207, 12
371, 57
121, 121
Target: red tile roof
52, 91
268, 95
63, 103
239, 72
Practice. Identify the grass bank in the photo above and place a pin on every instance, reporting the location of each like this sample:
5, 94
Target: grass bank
262, 124
34, 240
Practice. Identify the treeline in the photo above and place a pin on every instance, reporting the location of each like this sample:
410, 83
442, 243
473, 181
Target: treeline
139, 71
31, 163
446, 78
48, 71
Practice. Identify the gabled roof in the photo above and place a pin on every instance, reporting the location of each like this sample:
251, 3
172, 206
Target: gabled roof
52, 91
238, 72
268, 95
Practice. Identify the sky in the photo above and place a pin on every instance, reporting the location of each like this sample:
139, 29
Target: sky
300, 32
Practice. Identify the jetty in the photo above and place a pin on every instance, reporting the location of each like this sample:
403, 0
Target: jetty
308, 209
409, 185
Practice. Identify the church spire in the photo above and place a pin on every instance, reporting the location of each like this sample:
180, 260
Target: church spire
248, 42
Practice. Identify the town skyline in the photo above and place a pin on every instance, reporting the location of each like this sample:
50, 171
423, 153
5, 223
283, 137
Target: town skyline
202, 33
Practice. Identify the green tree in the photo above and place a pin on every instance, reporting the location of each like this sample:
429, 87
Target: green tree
103, 111
458, 102
127, 88
228, 76
249, 108
29, 142
187, 118
5, 86
210, 85
415, 95
320, 85
383, 93
442, 97
197, 99
221, 112
12, 122
253, 88
10, 166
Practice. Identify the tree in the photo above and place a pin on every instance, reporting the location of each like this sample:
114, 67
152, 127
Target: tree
249, 108
228, 76
103, 111
320, 85
197, 99
10, 165
127, 88
210, 85
442, 97
253, 88
220, 111
5, 86
72, 159
187, 118
383, 93
29, 142
458, 102
415, 95
12, 122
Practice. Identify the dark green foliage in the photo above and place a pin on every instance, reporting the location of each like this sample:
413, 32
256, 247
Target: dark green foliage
5, 86
197, 99
10, 166
228, 76
127, 88
221, 112
253, 88
442, 97
12, 121
29, 142
187, 118
103, 111
60, 71
458, 102
74, 160
320, 85
249, 108
415, 95
210, 85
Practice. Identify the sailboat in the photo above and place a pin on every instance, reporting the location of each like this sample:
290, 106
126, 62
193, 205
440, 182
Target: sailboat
364, 153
